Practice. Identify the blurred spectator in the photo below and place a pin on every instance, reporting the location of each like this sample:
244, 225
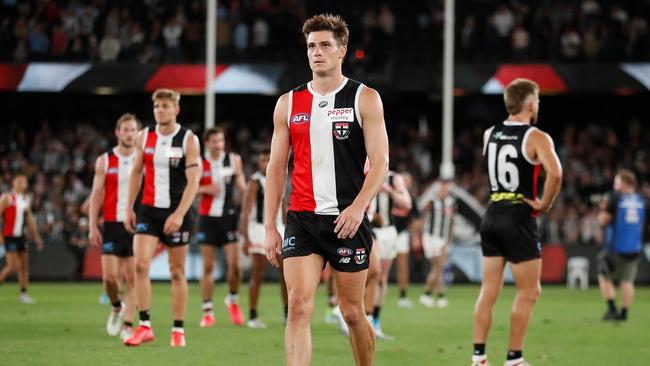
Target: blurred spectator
109, 48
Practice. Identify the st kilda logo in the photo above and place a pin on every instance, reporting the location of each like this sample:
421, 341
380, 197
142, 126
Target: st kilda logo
300, 118
341, 130
360, 256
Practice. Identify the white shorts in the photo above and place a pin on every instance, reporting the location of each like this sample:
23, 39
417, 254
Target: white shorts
256, 236
403, 242
387, 241
432, 246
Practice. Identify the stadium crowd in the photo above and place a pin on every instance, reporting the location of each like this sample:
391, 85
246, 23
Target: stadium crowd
268, 30
59, 162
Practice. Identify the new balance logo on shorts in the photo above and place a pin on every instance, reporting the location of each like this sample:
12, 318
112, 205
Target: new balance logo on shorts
142, 227
344, 260
108, 247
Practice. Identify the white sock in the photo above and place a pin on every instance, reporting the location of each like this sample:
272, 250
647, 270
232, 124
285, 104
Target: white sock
207, 306
178, 330
233, 298
145, 323
514, 362
479, 358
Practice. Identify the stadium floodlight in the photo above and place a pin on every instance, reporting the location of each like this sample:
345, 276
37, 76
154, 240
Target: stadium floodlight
447, 164
210, 61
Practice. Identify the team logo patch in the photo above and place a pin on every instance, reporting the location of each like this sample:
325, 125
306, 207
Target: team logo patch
341, 130
300, 118
143, 226
344, 260
344, 252
341, 115
322, 104
361, 256
108, 247
149, 150
112, 171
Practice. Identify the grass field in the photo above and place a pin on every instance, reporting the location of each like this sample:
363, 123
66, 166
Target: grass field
67, 327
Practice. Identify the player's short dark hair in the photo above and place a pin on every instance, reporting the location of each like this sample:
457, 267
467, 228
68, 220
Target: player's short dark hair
265, 151
516, 93
212, 131
328, 22
628, 177
170, 94
126, 117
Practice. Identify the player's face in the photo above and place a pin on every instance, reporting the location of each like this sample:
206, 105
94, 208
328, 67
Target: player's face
618, 184
216, 142
19, 184
324, 53
263, 163
127, 133
165, 111
443, 189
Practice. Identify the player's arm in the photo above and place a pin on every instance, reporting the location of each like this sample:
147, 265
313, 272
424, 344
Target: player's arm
95, 201
4, 202
240, 178
192, 175
400, 194
276, 175
544, 151
205, 185
135, 182
247, 207
33, 229
376, 141
607, 210
450, 238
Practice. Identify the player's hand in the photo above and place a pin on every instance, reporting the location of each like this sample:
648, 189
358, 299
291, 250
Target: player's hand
213, 189
39, 243
536, 204
387, 188
173, 223
273, 245
94, 236
347, 223
129, 222
247, 246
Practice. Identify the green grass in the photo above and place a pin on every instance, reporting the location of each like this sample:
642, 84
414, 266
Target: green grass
66, 327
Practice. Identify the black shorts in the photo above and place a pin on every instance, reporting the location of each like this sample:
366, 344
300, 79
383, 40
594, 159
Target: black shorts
217, 231
117, 240
15, 244
510, 232
308, 233
151, 221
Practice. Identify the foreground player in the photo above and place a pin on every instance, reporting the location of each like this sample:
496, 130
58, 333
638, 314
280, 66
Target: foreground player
110, 194
438, 213
252, 229
15, 210
623, 217
222, 172
332, 123
168, 157
514, 152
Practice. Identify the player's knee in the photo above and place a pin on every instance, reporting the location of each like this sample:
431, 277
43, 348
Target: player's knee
531, 294
208, 268
177, 273
141, 267
110, 279
490, 294
300, 307
352, 315
233, 269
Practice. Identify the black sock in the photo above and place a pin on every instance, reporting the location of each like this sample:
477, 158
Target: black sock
233, 293
513, 355
623, 313
441, 295
144, 315
117, 304
611, 305
128, 324
376, 312
428, 292
253, 314
479, 349
402, 294
23, 290
178, 324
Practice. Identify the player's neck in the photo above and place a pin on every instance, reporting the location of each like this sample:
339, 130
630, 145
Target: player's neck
124, 151
326, 84
167, 129
521, 118
216, 154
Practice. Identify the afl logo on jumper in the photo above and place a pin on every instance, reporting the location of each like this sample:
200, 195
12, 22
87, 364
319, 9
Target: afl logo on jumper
300, 118
341, 130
